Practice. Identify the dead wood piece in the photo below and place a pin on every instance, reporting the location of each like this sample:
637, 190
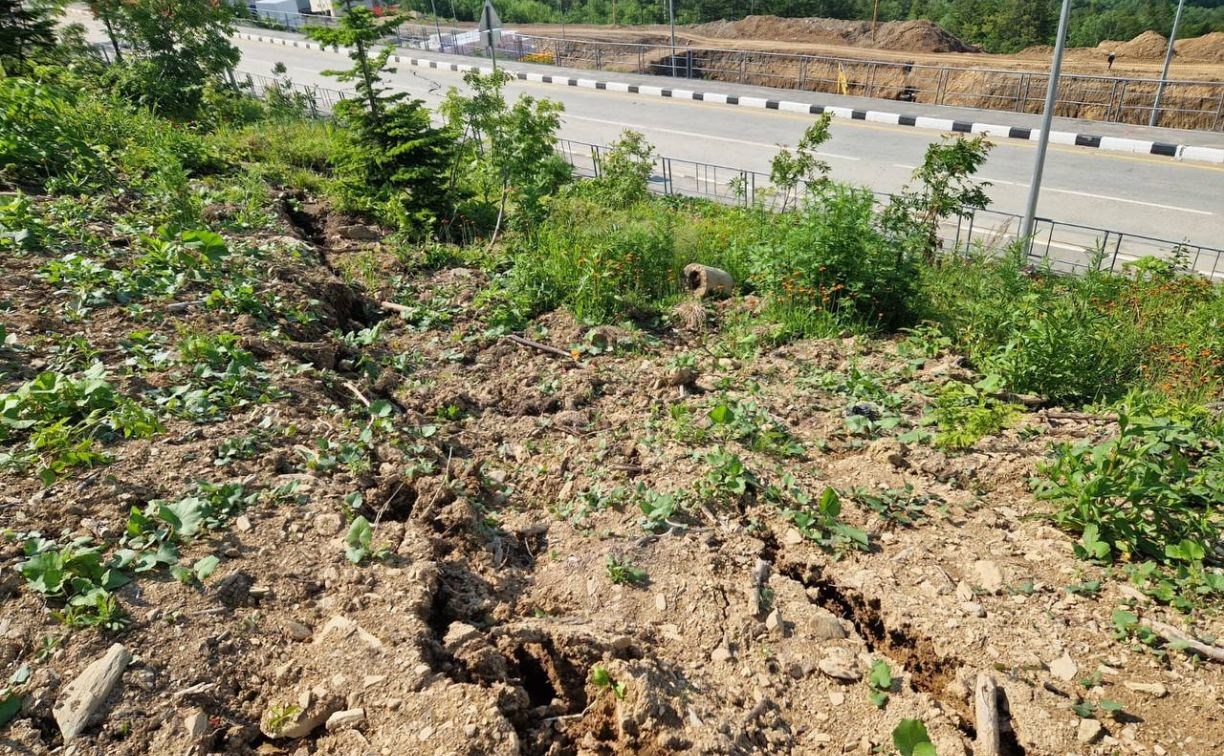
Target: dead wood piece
986, 708
1170, 633
524, 342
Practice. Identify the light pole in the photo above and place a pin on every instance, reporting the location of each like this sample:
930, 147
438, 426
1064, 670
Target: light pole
671, 21
437, 27
1164, 72
1047, 117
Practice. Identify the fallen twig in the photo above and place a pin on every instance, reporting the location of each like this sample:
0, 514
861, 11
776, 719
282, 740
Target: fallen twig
537, 345
181, 306
357, 393
1170, 633
986, 707
401, 309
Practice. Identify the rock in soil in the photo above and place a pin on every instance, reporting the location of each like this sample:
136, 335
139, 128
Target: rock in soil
86, 694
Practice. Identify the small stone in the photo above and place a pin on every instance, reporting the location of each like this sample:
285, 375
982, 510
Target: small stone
426, 733
661, 602
1156, 690
345, 720
721, 654
1064, 668
989, 576
243, 523
328, 523
1089, 730
1159, 750
196, 724
297, 631
964, 591
469, 730
836, 697
973, 609
792, 537
773, 622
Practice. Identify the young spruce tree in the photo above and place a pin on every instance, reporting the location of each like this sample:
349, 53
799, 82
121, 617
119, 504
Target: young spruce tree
26, 29
396, 163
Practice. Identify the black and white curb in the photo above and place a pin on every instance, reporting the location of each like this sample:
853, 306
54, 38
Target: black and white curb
998, 131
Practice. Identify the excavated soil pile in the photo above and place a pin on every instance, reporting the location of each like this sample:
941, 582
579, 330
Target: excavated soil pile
1148, 45
909, 36
1208, 48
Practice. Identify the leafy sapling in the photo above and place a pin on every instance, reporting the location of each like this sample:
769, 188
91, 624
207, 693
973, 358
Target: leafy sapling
880, 683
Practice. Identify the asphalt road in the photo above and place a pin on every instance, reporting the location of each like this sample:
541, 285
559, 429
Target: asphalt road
1136, 194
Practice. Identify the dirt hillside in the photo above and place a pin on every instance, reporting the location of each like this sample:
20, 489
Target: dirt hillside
526, 588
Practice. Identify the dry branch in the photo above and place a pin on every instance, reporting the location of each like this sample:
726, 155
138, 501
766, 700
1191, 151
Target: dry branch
1170, 633
537, 345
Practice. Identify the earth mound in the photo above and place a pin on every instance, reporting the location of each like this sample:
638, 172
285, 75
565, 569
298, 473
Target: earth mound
908, 36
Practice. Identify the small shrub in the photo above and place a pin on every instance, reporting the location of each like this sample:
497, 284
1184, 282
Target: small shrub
602, 263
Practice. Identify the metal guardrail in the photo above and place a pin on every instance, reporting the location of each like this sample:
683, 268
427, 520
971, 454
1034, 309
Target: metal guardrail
1185, 104
1066, 247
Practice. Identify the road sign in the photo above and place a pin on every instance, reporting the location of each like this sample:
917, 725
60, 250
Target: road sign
490, 26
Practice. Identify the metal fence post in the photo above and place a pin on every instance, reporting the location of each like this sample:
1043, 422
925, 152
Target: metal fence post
743, 65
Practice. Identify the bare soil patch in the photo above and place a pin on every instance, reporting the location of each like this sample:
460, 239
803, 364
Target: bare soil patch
479, 629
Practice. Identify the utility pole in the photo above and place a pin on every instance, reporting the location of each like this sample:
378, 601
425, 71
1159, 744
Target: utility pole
875, 14
434, 9
671, 21
1047, 118
1164, 72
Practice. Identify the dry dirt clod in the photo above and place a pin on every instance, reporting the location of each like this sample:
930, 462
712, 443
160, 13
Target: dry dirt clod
1088, 731
1064, 668
825, 625
841, 665
347, 719
297, 631
989, 575
1156, 690
196, 724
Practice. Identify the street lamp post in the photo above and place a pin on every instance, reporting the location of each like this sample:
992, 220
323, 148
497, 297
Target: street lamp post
1047, 118
1164, 72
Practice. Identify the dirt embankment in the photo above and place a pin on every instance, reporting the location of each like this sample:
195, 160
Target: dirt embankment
494, 620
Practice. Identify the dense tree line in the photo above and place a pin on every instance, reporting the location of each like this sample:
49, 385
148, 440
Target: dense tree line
996, 25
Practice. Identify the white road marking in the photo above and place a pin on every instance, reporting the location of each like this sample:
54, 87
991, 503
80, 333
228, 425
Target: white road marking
1102, 197
696, 134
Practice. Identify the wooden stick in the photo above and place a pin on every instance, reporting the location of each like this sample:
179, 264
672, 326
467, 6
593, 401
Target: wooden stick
1170, 633
401, 309
537, 345
986, 706
357, 393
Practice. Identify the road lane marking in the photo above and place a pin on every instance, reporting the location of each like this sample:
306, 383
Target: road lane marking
697, 134
1102, 197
